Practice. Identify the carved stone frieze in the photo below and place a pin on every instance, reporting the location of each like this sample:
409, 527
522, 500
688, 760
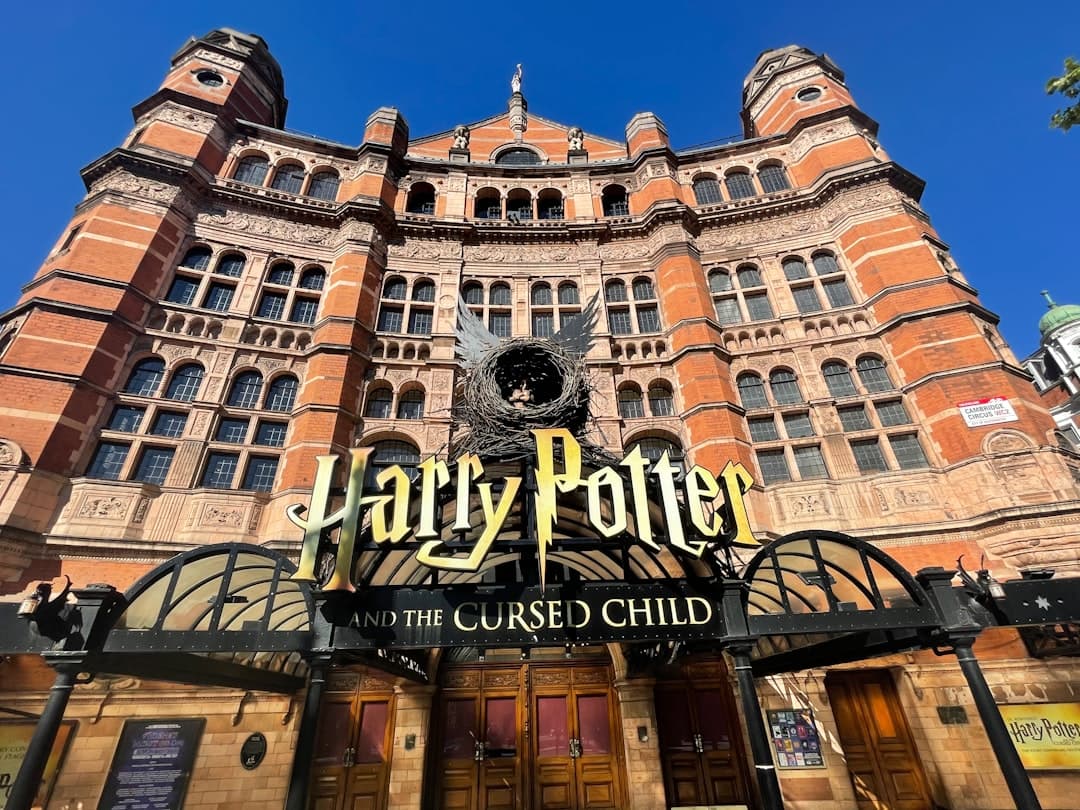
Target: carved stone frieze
547, 254
237, 220
808, 505
172, 353
809, 138
619, 251
104, 507
424, 249
455, 183
579, 185
222, 515
219, 59
124, 182
188, 119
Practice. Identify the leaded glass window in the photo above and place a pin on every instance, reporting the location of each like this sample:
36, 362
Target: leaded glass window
707, 191
126, 418
615, 291
182, 291
499, 295
720, 281
411, 405
727, 311
288, 178
185, 383
260, 474
281, 273
543, 324
390, 319
154, 465
252, 170
749, 276
798, 425
314, 278
763, 429
758, 306
795, 268
281, 396
909, 453
854, 418
170, 424
630, 404
648, 319
873, 374
304, 310
220, 470
825, 263
739, 185
838, 379
773, 178
379, 403
231, 265
108, 460
420, 321
774, 467
868, 456
838, 293
424, 291
785, 388
568, 294
198, 258
324, 185
395, 289
540, 295
619, 322
806, 299
389, 453
643, 290
892, 413
752, 391
661, 402
145, 377
810, 463
233, 431
271, 434
500, 324
219, 297
245, 390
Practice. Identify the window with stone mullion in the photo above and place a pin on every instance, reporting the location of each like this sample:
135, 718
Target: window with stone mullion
806, 299
909, 453
892, 413
868, 456
774, 467
763, 430
810, 462
838, 293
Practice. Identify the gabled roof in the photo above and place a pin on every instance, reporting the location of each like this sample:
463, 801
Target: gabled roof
490, 135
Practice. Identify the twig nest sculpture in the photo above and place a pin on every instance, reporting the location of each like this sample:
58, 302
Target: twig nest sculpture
517, 386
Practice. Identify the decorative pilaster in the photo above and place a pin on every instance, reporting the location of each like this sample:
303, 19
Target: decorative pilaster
641, 741
411, 724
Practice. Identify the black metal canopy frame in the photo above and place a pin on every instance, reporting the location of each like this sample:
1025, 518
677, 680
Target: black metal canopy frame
229, 615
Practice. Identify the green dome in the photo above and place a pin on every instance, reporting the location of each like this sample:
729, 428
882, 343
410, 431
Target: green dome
1057, 315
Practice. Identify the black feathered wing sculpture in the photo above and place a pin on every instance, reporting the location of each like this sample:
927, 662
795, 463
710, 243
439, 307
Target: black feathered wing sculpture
576, 335
473, 338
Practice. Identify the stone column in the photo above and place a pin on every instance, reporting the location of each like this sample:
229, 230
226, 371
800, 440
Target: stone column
644, 773
412, 721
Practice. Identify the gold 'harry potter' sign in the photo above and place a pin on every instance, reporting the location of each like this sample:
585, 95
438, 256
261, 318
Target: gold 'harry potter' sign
390, 499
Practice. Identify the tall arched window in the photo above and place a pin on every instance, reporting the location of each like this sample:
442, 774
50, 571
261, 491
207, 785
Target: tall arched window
838, 379
568, 293
707, 190
825, 263
185, 383
389, 453
739, 185
314, 278
499, 295
198, 258
654, 447
630, 404
720, 281
488, 204
749, 276
549, 204
245, 390
281, 395
540, 294
395, 288
661, 402
795, 268
614, 202
643, 289
411, 405
473, 293
252, 170
145, 377
380, 402
751, 391
773, 178
421, 199
873, 374
785, 387
615, 291
324, 185
288, 178
424, 290
518, 156
231, 265
519, 204
281, 273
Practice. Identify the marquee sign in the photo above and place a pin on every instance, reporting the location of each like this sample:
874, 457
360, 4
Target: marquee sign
617, 501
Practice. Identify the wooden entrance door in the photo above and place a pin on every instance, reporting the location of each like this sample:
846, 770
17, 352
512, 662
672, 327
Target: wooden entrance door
698, 745
881, 757
351, 767
576, 761
482, 740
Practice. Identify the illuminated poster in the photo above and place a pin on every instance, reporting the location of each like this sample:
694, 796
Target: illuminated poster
1046, 735
14, 738
152, 765
795, 738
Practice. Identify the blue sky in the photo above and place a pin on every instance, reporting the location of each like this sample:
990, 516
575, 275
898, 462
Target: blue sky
956, 86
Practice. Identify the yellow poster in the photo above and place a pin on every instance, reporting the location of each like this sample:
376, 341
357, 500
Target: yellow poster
14, 738
1047, 735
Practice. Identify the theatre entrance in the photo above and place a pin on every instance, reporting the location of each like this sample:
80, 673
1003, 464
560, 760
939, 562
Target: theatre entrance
538, 736
351, 766
700, 741
881, 757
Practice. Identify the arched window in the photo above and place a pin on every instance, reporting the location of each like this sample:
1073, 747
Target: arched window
314, 278
720, 281
614, 202
749, 276
252, 170
395, 289
288, 178
424, 290
825, 263
630, 404
198, 258
281, 395
773, 178
324, 185
389, 453
653, 448
540, 294
231, 264
185, 383
411, 405
614, 291
519, 204
838, 379
784, 387
568, 293
739, 185
795, 268
873, 374
549, 204
245, 390
488, 204
707, 190
421, 199
499, 295
751, 391
281, 273
145, 377
517, 156
473, 293
643, 290
380, 402
661, 402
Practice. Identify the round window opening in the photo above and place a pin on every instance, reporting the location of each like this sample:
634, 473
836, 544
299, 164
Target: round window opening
210, 78
809, 94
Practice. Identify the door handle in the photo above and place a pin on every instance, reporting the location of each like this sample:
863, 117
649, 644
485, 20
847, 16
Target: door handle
348, 759
575, 748
478, 751
699, 743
